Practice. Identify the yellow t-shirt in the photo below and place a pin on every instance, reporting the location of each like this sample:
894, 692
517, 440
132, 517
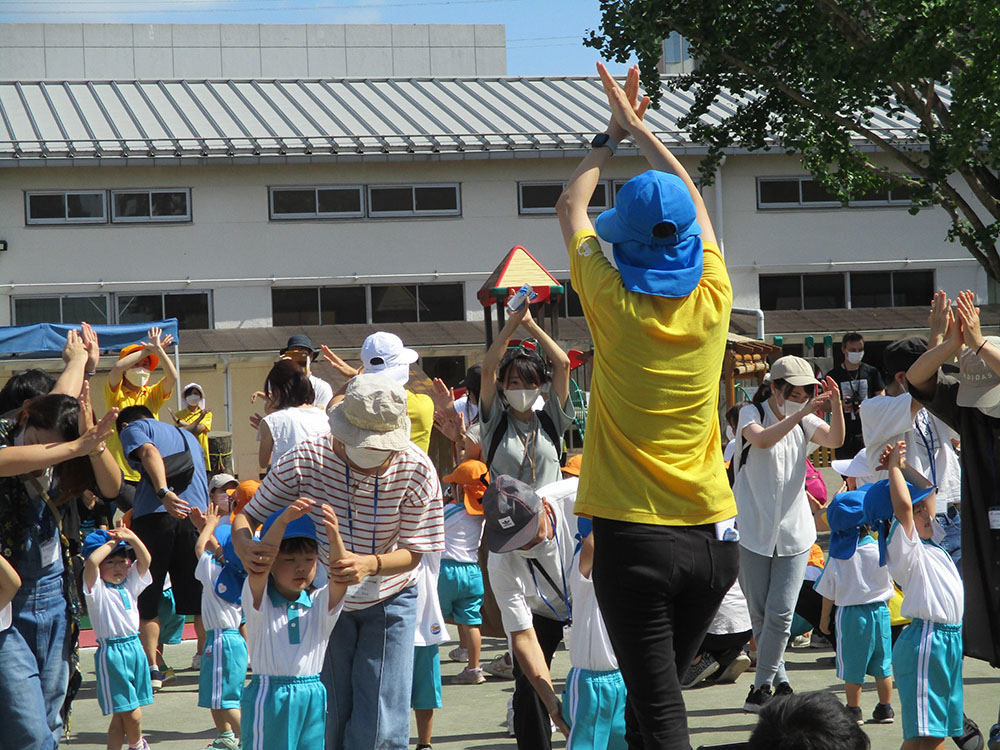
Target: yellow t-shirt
152, 397
420, 408
187, 416
653, 450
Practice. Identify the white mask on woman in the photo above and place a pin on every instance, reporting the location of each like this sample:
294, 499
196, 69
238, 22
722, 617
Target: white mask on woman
855, 357
522, 399
137, 376
788, 408
366, 458
193, 400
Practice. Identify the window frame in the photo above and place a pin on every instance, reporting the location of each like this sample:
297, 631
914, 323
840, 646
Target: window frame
367, 288
209, 297
847, 287
28, 221
114, 219
887, 202
414, 212
317, 215
59, 298
609, 197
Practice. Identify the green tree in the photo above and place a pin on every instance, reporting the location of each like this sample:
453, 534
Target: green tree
818, 77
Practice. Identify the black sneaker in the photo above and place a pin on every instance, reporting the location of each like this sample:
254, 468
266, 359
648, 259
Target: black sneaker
855, 713
705, 667
972, 738
883, 714
757, 698
783, 688
994, 743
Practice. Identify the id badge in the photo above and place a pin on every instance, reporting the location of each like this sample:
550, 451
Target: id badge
50, 552
994, 517
366, 591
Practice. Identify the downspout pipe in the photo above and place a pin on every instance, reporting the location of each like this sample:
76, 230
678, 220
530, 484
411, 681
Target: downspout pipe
759, 314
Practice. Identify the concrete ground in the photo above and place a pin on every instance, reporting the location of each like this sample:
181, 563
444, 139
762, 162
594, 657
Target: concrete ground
474, 715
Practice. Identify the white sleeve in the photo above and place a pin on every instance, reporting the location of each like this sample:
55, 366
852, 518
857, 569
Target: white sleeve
748, 415
514, 610
203, 570
253, 616
903, 554
811, 423
826, 584
883, 417
136, 584
95, 595
323, 392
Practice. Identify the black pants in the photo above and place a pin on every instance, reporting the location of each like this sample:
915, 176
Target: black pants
532, 729
725, 647
659, 588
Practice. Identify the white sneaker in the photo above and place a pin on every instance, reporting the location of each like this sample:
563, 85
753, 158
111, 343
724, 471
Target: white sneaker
196, 662
501, 667
469, 676
458, 654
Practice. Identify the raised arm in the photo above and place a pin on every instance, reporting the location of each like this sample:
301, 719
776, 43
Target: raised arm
258, 576
555, 353
337, 552
491, 362
75, 356
207, 535
895, 459
922, 374
107, 473
830, 435
92, 565
157, 344
968, 318
142, 556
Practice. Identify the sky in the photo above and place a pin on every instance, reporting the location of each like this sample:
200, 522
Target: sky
544, 37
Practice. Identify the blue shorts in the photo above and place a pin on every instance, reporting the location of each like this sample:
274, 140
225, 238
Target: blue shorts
171, 623
460, 590
593, 705
283, 712
223, 669
927, 665
426, 692
864, 642
122, 675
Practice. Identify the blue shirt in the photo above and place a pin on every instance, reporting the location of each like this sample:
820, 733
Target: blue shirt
168, 440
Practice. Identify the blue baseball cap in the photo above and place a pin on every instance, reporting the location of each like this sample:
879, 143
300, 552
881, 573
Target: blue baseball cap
879, 512
649, 261
301, 527
845, 514
99, 538
229, 584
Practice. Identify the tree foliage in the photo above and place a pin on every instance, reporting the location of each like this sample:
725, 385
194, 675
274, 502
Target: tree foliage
816, 76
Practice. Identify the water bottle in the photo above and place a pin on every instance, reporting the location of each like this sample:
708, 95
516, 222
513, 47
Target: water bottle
521, 297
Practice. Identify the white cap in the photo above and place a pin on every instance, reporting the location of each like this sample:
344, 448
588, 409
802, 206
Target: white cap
853, 467
384, 354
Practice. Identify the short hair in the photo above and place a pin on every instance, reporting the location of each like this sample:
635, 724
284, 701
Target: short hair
24, 385
132, 414
288, 385
298, 544
807, 721
850, 338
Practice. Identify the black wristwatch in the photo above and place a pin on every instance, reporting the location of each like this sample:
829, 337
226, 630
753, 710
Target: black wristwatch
603, 139
162, 493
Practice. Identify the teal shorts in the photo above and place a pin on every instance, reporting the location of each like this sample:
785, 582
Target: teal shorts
122, 675
223, 669
460, 591
171, 623
283, 712
927, 665
864, 642
426, 692
593, 705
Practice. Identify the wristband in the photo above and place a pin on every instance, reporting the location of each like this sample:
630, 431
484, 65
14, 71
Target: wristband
378, 564
985, 342
90, 374
162, 492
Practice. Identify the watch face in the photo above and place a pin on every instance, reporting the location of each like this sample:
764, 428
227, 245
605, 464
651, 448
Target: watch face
599, 140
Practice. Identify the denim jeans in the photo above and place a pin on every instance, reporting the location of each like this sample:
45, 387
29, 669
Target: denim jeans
34, 667
659, 588
771, 586
368, 674
951, 522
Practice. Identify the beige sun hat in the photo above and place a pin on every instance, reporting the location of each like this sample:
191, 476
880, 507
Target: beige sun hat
372, 414
793, 370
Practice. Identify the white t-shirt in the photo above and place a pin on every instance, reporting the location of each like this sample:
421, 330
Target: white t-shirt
770, 488
430, 630
114, 610
6, 616
932, 587
468, 410
733, 615
589, 645
463, 533
858, 580
293, 425
519, 595
322, 390
216, 612
271, 632
888, 419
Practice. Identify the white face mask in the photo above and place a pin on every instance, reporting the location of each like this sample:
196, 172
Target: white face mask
855, 357
137, 376
366, 458
522, 398
193, 400
788, 408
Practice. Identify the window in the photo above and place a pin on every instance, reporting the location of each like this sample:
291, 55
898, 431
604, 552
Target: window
137, 206
413, 200
804, 192
69, 310
820, 291
387, 303
342, 304
77, 207
192, 309
317, 202
541, 197
823, 291
891, 289
782, 292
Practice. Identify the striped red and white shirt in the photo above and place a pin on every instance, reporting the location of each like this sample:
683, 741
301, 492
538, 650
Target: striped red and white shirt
409, 513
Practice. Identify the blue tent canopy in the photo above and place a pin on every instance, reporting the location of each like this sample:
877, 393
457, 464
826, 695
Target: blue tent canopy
44, 339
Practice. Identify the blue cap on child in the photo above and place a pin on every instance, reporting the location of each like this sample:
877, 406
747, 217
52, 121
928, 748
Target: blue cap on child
229, 584
879, 512
301, 527
99, 538
844, 515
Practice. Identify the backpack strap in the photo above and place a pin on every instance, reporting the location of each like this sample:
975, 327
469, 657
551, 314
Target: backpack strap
500, 430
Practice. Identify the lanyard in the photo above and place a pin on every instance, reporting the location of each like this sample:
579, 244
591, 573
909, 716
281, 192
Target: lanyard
929, 441
532, 564
350, 506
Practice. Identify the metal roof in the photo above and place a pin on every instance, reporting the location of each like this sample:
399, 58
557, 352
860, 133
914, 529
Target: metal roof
323, 119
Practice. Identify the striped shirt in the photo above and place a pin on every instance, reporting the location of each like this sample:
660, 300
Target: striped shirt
408, 516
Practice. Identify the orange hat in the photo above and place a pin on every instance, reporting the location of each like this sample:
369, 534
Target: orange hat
474, 478
153, 359
573, 465
243, 493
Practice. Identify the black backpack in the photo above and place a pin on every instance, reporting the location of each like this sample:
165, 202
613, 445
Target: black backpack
547, 425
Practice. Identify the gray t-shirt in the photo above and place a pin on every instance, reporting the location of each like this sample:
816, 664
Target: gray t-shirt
510, 455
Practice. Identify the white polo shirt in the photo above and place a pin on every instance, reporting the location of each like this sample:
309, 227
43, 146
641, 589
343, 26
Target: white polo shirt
520, 594
932, 587
216, 612
463, 533
113, 609
770, 488
888, 419
589, 645
288, 639
858, 580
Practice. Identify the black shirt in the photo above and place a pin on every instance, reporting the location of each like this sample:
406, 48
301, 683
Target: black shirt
855, 387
